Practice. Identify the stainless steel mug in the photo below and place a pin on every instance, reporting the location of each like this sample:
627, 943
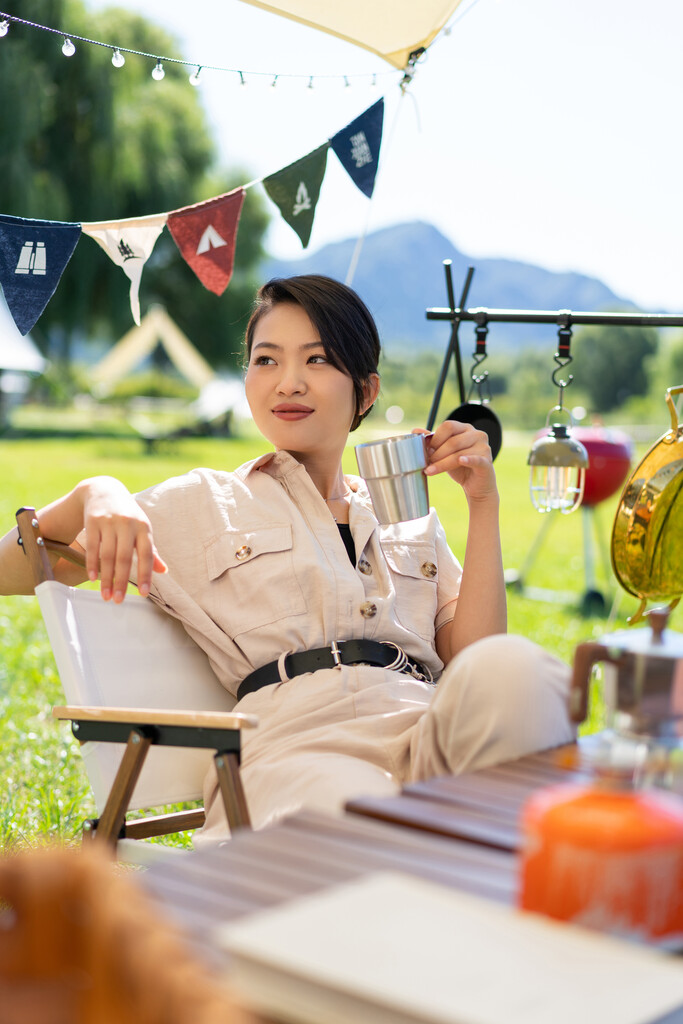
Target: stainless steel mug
393, 471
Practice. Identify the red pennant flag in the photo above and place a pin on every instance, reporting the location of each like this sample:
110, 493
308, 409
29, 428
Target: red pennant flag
206, 235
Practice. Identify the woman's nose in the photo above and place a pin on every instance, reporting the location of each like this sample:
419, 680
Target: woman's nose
291, 383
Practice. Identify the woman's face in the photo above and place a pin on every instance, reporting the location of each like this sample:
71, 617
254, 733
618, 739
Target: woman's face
300, 401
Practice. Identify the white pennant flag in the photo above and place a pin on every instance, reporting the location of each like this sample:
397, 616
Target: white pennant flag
129, 243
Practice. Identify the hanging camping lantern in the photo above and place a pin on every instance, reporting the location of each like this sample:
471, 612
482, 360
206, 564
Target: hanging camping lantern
558, 461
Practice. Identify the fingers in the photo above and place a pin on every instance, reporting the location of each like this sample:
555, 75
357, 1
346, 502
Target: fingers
110, 549
457, 444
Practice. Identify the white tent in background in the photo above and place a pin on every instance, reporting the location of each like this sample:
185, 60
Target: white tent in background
18, 354
134, 347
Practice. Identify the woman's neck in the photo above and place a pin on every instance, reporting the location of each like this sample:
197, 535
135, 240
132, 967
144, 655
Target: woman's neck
326, 474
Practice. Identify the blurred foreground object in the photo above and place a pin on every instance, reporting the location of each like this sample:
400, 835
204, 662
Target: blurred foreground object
81, 944
609, 855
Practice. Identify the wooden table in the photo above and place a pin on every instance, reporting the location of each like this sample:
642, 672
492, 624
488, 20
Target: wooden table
459, 831
462, 832
482, 807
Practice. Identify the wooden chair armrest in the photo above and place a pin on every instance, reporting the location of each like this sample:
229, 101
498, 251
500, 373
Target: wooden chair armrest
154, 716
65, 551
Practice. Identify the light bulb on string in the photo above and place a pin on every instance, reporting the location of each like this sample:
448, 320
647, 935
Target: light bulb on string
243, 80
347, 84
194, 77
68, 48
4, 27
117, 58
274, 82
374, 80
158, 73
310, 83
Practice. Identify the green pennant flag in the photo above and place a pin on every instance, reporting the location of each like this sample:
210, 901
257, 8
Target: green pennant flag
295, 190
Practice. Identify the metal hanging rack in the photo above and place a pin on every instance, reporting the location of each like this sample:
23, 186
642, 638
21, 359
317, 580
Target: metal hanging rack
563, 319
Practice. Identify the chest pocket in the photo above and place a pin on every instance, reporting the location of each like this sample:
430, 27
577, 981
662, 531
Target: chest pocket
253, 581
414, 573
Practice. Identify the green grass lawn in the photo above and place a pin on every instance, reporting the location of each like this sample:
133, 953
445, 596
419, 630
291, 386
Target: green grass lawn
44, 791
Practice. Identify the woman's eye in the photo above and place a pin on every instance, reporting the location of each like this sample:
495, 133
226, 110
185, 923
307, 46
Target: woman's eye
317, 359
263, 360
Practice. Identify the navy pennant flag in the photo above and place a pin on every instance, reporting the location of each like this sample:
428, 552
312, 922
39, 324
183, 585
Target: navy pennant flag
296, 189
33, 255
358, 145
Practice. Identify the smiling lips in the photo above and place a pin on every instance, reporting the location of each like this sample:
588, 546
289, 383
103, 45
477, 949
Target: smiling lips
292, 411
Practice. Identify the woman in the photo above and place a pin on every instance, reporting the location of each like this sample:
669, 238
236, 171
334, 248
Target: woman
276, 567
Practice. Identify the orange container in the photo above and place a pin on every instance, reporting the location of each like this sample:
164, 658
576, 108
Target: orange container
609, 859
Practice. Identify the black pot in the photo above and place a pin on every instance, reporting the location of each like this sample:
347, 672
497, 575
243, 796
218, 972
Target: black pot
482, 417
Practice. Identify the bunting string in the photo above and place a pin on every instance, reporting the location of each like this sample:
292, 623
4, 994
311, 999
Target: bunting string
118, 59
34, 253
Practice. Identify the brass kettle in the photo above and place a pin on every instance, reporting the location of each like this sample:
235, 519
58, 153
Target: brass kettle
647, 548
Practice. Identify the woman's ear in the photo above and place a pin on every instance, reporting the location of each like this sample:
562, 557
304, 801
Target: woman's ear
370, 392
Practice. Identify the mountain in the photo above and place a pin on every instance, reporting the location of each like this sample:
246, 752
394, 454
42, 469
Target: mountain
400, 274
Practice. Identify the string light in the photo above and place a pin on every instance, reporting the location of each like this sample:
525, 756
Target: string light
274, 82
118, 59
194, 78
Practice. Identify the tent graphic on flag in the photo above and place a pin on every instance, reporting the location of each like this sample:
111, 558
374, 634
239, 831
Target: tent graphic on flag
206, 234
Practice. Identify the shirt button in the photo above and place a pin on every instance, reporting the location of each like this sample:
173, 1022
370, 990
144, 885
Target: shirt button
368, 610
243, 553
365, 567
429, 570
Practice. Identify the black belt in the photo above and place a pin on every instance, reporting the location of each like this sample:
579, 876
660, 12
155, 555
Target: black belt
344, 652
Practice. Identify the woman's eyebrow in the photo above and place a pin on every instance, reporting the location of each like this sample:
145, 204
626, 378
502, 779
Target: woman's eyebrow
278, 348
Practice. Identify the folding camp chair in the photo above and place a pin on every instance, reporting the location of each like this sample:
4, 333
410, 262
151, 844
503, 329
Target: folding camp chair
143, 701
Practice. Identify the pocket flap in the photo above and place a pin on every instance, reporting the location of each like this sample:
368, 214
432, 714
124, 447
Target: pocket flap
233, 549
415, 560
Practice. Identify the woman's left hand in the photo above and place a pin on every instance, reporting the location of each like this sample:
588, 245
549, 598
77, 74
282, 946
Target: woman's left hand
464, 453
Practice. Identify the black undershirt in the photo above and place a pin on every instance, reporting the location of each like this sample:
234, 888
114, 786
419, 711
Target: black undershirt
345, 532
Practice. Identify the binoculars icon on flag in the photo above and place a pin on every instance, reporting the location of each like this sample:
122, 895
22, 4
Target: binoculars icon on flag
32, 259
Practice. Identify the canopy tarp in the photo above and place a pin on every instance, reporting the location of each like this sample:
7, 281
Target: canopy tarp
389, 29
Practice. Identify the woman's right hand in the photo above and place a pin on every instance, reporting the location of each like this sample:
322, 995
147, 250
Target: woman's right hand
116, 529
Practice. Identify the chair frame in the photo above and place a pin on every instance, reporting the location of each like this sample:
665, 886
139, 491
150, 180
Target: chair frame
141, 728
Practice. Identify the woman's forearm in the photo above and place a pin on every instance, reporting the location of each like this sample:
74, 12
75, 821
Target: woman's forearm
482, 608
61, 520
116, 530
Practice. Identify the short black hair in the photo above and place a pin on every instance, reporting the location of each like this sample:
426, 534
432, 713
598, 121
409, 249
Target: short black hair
346, 327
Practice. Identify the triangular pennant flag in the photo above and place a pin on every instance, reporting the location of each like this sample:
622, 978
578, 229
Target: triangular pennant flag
205, 234
33, 255
129, 243
358, 145
296, 189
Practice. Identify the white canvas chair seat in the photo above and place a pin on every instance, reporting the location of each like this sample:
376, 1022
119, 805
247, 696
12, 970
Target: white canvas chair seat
131, 655
131, 673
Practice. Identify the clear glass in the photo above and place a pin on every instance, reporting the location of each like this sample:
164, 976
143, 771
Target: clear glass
556, 488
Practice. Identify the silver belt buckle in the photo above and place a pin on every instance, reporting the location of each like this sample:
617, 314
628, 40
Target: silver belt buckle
336, 654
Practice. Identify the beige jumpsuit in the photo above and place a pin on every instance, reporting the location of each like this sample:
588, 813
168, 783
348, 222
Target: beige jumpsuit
258, 569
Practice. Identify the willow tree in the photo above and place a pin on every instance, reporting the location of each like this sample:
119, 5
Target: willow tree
84, 141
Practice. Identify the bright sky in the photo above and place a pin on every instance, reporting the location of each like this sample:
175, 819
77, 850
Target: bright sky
540, 130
